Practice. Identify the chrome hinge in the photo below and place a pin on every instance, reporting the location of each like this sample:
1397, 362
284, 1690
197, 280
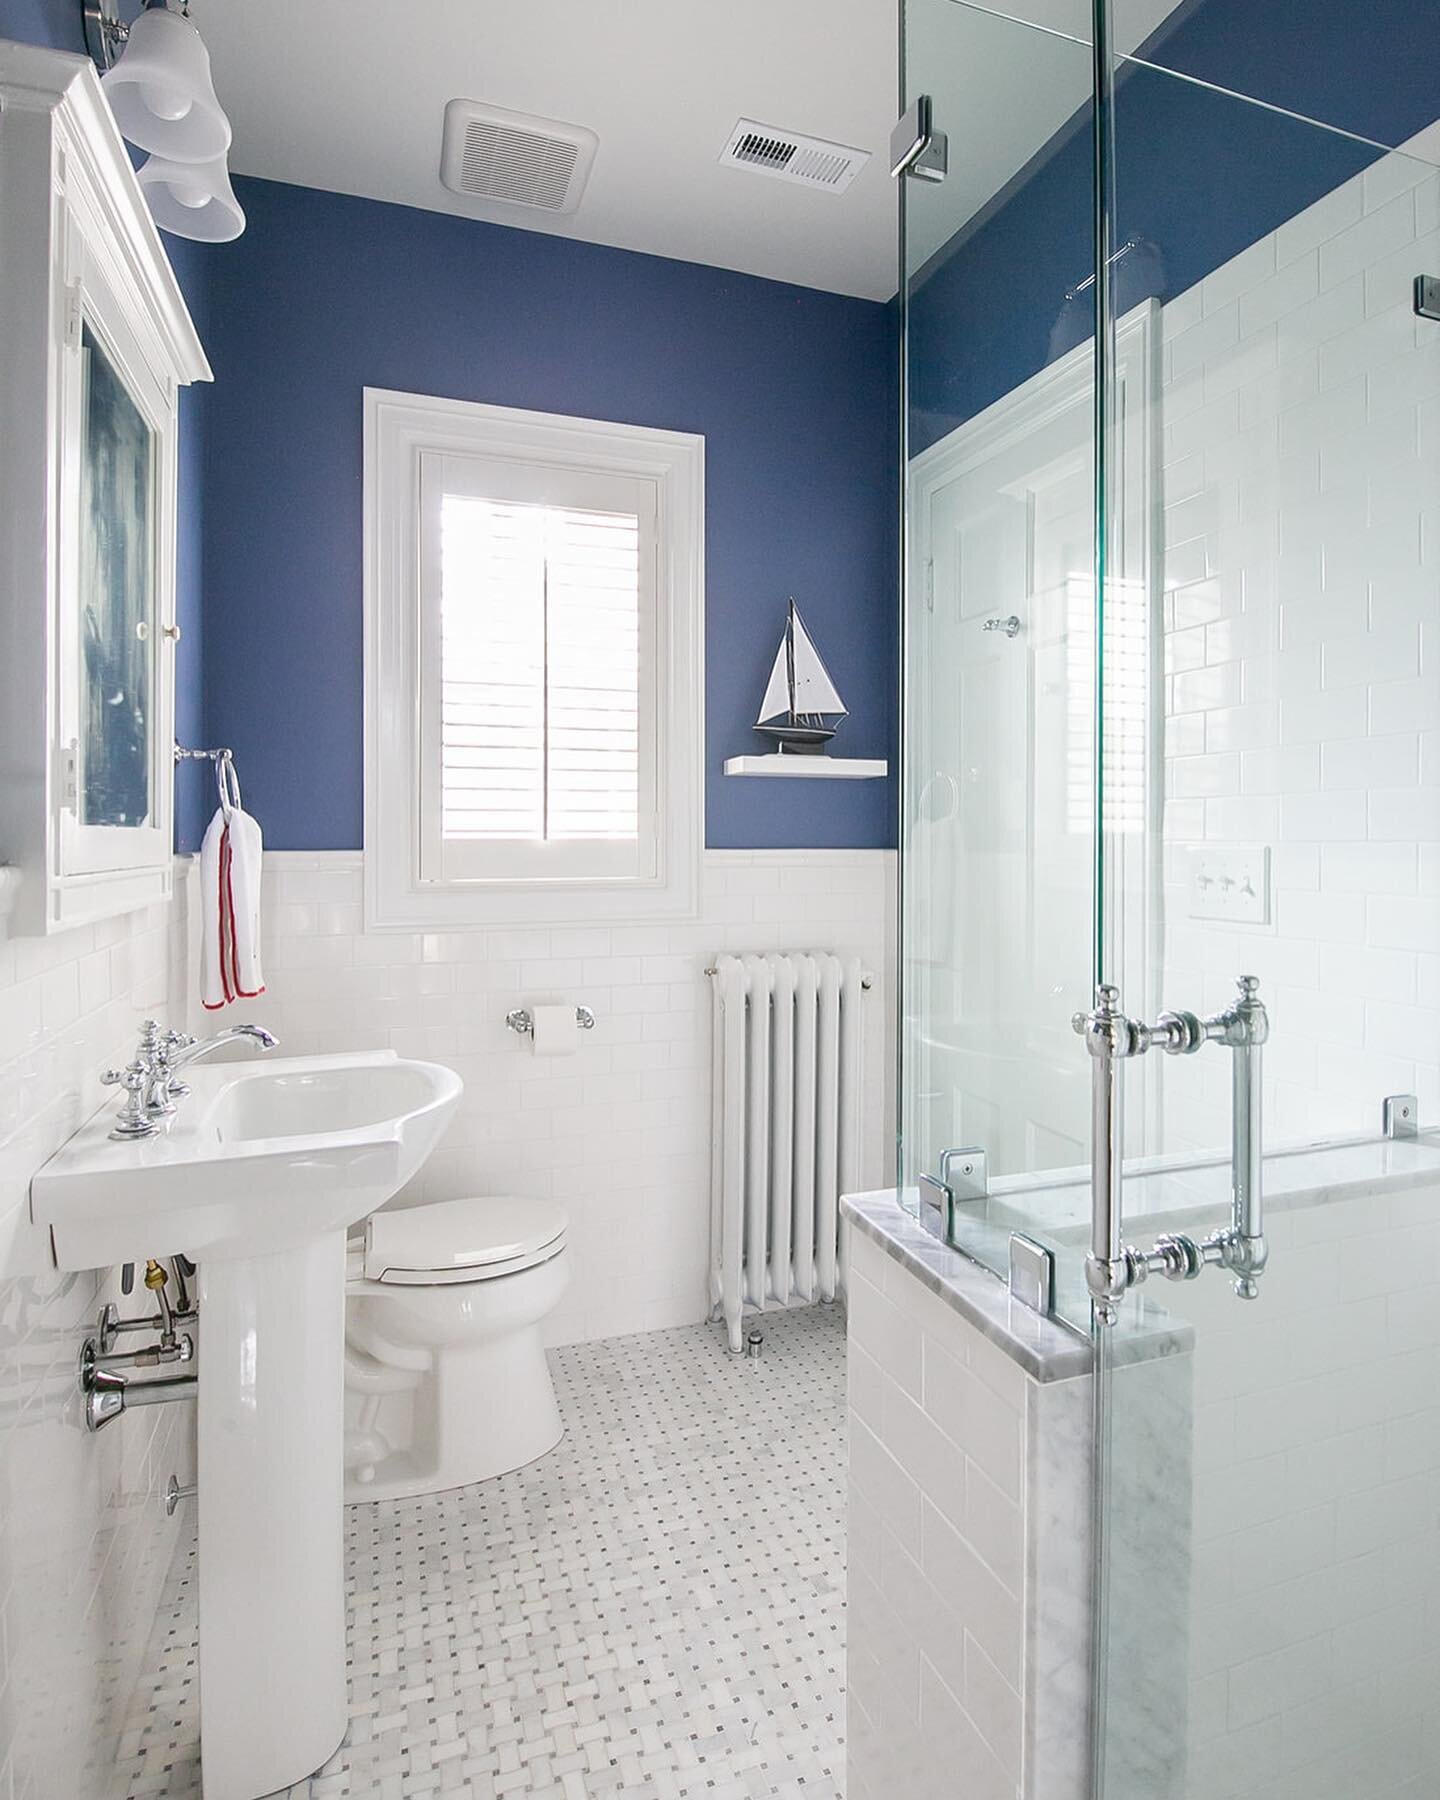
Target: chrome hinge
966, 1172
1402, 1116
74, 314
67, 775
916, 147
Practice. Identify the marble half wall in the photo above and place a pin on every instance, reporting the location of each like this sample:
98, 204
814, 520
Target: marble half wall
972, 1602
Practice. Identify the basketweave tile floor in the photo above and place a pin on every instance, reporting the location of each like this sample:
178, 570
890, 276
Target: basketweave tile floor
654, 1611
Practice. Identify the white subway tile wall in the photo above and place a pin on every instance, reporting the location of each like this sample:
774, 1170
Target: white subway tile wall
1315, 1548
618, 1133
968, 1561
85, 1545
1301, 430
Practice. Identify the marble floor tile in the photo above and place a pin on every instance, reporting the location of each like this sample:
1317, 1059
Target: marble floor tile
654, 1611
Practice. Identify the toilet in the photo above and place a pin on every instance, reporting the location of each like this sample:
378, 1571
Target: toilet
445, 1375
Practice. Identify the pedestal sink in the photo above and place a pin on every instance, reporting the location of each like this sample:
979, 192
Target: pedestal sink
257, 1179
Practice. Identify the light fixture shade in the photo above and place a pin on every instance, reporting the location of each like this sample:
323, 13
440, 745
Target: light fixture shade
192, 199
161, 93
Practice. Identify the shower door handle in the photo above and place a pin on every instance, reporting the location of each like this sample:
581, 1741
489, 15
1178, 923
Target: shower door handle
1109, 1038
1113, 1267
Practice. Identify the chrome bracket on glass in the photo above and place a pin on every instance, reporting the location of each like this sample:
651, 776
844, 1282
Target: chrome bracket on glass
1032, 1273
1113, 1267
964, 1175
916, 147
1401, 1117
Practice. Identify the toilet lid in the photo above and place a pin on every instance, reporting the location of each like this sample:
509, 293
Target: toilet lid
461, 1240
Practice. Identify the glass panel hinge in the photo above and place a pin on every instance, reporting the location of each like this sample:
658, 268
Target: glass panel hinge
916, 147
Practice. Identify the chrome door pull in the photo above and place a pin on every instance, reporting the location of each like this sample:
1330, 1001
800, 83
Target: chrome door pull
1113, 1267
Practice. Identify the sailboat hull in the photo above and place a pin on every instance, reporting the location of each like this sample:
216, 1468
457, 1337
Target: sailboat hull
799, 740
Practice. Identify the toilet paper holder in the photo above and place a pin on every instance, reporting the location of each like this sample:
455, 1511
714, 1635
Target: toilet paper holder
519, 1019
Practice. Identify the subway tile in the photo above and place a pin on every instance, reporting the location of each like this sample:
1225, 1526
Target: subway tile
1294, 282
1310, 227
879, 1326
1387, 228
883, 1484
988, 1428
934, 1461
1404, 815
1340, 712
1217, 332
988, 1610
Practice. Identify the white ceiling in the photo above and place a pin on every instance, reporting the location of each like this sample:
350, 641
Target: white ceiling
351, 98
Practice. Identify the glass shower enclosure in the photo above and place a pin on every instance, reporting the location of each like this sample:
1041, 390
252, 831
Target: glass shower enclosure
1172, 724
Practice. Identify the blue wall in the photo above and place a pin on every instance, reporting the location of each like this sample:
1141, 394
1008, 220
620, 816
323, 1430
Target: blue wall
1198, 176
54, 23
57, 25
194, 785
793, 390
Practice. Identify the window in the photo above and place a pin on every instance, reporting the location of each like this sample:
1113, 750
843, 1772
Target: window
532, 666
538, 619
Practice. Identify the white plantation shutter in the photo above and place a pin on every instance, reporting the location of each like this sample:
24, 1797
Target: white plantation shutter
538, 696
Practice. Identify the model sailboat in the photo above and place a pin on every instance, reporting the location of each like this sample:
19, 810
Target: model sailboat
801, 708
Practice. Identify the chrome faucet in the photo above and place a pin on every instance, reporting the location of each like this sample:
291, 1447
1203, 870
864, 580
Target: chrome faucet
178, 1050
151, 1081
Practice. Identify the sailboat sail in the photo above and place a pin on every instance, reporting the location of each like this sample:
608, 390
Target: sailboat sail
799, 686
776, 704
814, 690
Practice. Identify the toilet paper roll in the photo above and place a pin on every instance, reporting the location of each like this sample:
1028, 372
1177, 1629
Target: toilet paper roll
554, 1032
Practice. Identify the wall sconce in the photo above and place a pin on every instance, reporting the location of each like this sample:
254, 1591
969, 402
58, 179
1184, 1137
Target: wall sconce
105, 31
193, 200
156, 77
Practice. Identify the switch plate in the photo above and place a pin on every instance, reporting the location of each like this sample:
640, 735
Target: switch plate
1230, 882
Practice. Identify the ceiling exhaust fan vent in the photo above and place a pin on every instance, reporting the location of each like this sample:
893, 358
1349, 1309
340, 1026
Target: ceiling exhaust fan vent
515, 159
813, 162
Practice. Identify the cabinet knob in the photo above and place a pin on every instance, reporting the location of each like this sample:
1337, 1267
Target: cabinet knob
172, 632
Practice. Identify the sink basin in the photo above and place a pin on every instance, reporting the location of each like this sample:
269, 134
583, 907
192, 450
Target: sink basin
263, 1156
256, 1178
284, 1103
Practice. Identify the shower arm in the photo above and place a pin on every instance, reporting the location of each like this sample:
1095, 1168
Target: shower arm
1113, 1267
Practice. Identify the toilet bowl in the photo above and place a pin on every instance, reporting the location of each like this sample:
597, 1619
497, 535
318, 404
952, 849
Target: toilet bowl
445, 1376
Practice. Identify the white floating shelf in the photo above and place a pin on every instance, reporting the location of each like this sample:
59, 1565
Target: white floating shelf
812, 768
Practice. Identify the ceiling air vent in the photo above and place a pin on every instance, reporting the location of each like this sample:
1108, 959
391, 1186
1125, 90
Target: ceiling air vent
490, 154
785, 154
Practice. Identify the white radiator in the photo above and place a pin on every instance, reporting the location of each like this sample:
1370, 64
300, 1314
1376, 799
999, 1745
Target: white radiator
785, 1127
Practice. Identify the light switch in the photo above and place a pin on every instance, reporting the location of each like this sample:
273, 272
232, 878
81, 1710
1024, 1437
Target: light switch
1230, 882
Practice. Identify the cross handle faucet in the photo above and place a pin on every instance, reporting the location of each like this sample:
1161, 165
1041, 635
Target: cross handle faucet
152, 1080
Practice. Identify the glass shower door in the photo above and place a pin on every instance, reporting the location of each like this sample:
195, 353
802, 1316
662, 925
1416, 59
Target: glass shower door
1268, 1507
998, 834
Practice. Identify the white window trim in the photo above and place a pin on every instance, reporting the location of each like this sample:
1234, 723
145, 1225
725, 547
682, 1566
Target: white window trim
399, 430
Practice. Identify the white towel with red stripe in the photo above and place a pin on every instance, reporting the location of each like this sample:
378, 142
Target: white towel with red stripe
230, 909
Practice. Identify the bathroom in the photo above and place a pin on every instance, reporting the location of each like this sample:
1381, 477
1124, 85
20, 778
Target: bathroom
633, 1314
